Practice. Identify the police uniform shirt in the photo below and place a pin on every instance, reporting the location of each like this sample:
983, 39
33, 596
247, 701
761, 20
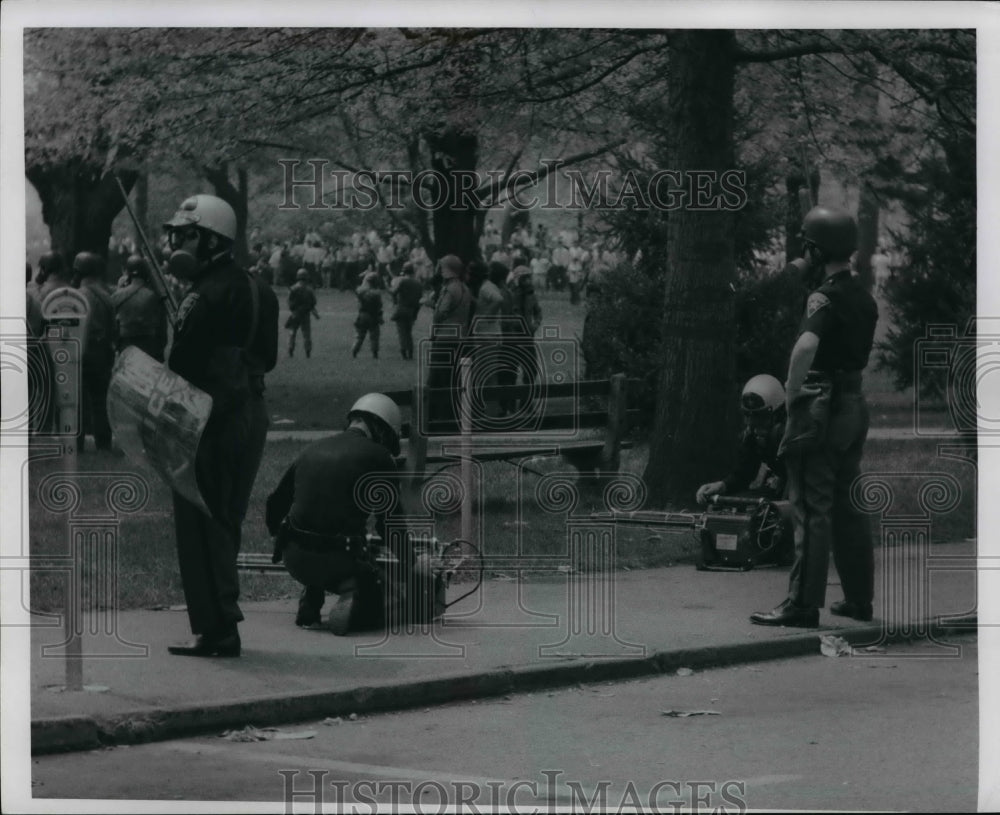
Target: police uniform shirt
217, 316
320, 492
409, 293
301, 298
842, 314
751, 454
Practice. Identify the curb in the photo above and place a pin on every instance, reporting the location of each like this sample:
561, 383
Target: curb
75, 733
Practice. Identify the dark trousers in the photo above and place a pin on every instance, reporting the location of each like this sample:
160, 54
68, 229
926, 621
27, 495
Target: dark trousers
366, 326
404, 327
228, 459
819, 486
338, 572
94, 403
303, 323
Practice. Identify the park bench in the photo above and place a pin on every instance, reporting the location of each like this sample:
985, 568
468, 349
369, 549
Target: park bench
555, 419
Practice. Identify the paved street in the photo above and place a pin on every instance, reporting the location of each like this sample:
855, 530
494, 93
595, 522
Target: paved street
891, 730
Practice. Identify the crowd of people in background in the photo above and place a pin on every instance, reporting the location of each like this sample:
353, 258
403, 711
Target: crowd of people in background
559, 262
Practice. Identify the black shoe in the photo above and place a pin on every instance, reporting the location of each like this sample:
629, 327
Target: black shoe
856, 611
339, 619
310, 606
204, 646
788, 615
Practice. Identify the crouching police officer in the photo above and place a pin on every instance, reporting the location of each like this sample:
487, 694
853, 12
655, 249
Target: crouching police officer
225, 339
826, 429
319, 515
763, 406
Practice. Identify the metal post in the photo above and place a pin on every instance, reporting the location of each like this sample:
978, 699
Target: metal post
73, 597
66, 313
465, 417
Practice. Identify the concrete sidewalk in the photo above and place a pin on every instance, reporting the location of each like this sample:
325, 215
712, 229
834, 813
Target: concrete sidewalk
531, 631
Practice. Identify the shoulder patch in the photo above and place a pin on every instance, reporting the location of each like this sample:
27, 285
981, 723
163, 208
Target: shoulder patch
184, 309
816, 301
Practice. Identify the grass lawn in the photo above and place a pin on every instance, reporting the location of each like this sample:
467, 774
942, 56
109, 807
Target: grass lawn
316, 394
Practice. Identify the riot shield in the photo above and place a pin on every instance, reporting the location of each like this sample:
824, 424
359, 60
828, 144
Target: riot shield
158, 418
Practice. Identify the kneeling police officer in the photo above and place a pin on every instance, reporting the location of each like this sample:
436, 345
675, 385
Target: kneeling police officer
319, 516
763, 406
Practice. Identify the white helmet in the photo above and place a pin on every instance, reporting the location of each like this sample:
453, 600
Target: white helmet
381, 407
762, 392
209, 212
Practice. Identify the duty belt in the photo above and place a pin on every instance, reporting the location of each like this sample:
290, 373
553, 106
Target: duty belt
356, 545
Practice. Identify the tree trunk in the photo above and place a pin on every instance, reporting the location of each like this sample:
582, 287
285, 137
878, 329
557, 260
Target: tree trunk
453, 151
868, 212
694, 427
79, 205
801, 195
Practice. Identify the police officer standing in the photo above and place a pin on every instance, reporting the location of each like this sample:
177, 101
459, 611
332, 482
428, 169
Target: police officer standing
226, 338
407, 292
826, 430
317, 516
141, 315
302, 305
98, 349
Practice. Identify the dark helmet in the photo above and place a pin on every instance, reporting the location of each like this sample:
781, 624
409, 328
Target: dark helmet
832, 231
88, 264
52, 263
136, 266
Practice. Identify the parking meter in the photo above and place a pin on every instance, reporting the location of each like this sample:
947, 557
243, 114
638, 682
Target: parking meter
65, 312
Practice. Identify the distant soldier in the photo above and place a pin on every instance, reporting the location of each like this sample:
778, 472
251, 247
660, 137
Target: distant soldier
98, 350
139, 312
407, 293
529, 312
302, 305
53, 273
369, 319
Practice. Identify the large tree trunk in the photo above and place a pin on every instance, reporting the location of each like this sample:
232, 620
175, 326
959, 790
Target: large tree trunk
868, 212
801, 195
694, 427
453, 150
79, 205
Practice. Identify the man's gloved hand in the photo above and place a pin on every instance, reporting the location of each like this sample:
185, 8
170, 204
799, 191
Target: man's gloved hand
706, 491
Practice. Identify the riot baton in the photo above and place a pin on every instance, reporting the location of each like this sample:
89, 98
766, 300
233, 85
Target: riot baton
162, 289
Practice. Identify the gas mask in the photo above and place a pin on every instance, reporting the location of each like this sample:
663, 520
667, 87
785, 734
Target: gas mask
183, 261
